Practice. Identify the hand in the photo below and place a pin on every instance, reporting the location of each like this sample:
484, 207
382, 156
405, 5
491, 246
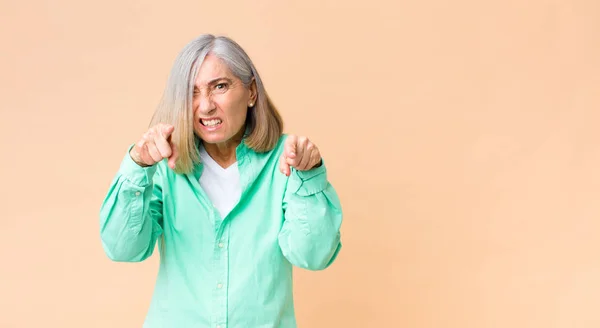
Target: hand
154, 146
299, 153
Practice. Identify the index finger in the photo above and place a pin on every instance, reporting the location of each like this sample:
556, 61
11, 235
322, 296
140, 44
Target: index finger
166, 130
290, 146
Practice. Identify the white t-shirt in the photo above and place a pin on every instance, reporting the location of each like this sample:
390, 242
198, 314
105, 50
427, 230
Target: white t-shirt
222, 185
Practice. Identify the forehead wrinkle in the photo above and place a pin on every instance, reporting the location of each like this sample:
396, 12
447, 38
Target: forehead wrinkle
218, 70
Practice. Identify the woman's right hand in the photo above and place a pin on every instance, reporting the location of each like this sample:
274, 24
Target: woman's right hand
154, 146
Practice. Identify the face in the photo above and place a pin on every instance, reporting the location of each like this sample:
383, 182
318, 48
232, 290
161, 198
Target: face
220, 102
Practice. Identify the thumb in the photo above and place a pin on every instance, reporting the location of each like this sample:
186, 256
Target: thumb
174, 155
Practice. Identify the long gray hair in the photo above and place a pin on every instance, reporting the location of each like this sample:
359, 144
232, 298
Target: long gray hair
264, 123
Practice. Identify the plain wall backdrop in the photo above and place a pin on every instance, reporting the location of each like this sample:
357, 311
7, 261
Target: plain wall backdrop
462, 137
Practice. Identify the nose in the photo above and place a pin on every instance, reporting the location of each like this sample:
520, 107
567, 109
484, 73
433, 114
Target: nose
206, 104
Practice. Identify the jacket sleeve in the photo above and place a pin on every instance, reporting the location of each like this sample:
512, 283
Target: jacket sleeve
310, 236
131, 213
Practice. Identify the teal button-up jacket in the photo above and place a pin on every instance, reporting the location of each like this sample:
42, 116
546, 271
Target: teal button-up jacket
219, 272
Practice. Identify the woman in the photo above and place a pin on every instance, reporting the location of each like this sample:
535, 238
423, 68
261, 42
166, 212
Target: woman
232, 202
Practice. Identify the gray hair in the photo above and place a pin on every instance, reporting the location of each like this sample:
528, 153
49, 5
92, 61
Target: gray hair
263, 121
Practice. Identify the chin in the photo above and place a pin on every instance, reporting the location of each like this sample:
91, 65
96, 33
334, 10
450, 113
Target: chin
214, 138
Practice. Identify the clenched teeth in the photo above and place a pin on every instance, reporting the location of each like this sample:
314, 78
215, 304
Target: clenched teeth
211, 122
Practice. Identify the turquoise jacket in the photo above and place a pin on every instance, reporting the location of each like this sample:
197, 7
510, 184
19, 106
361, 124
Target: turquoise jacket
220, 272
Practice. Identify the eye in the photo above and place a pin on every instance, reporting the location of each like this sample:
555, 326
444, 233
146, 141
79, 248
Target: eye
221, 86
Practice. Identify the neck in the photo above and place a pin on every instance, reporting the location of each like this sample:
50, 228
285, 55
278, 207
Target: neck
224, 153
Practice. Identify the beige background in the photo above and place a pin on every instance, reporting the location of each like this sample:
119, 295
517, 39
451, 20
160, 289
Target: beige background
462, 137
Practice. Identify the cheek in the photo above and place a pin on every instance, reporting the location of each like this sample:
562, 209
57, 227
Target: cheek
233, 109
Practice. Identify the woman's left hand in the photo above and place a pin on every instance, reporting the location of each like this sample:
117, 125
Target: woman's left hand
299, 153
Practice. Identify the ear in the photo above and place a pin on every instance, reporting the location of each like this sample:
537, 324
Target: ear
253, 93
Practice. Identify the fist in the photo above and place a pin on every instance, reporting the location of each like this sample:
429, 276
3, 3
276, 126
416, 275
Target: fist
299, 153
154, 146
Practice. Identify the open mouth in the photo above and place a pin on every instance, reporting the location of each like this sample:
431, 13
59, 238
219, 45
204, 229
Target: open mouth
211, 122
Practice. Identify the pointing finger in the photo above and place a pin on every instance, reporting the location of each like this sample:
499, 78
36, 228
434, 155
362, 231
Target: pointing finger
283, 166
290, 146
166, 130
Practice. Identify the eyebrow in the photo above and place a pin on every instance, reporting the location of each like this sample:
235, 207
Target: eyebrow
213, 81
